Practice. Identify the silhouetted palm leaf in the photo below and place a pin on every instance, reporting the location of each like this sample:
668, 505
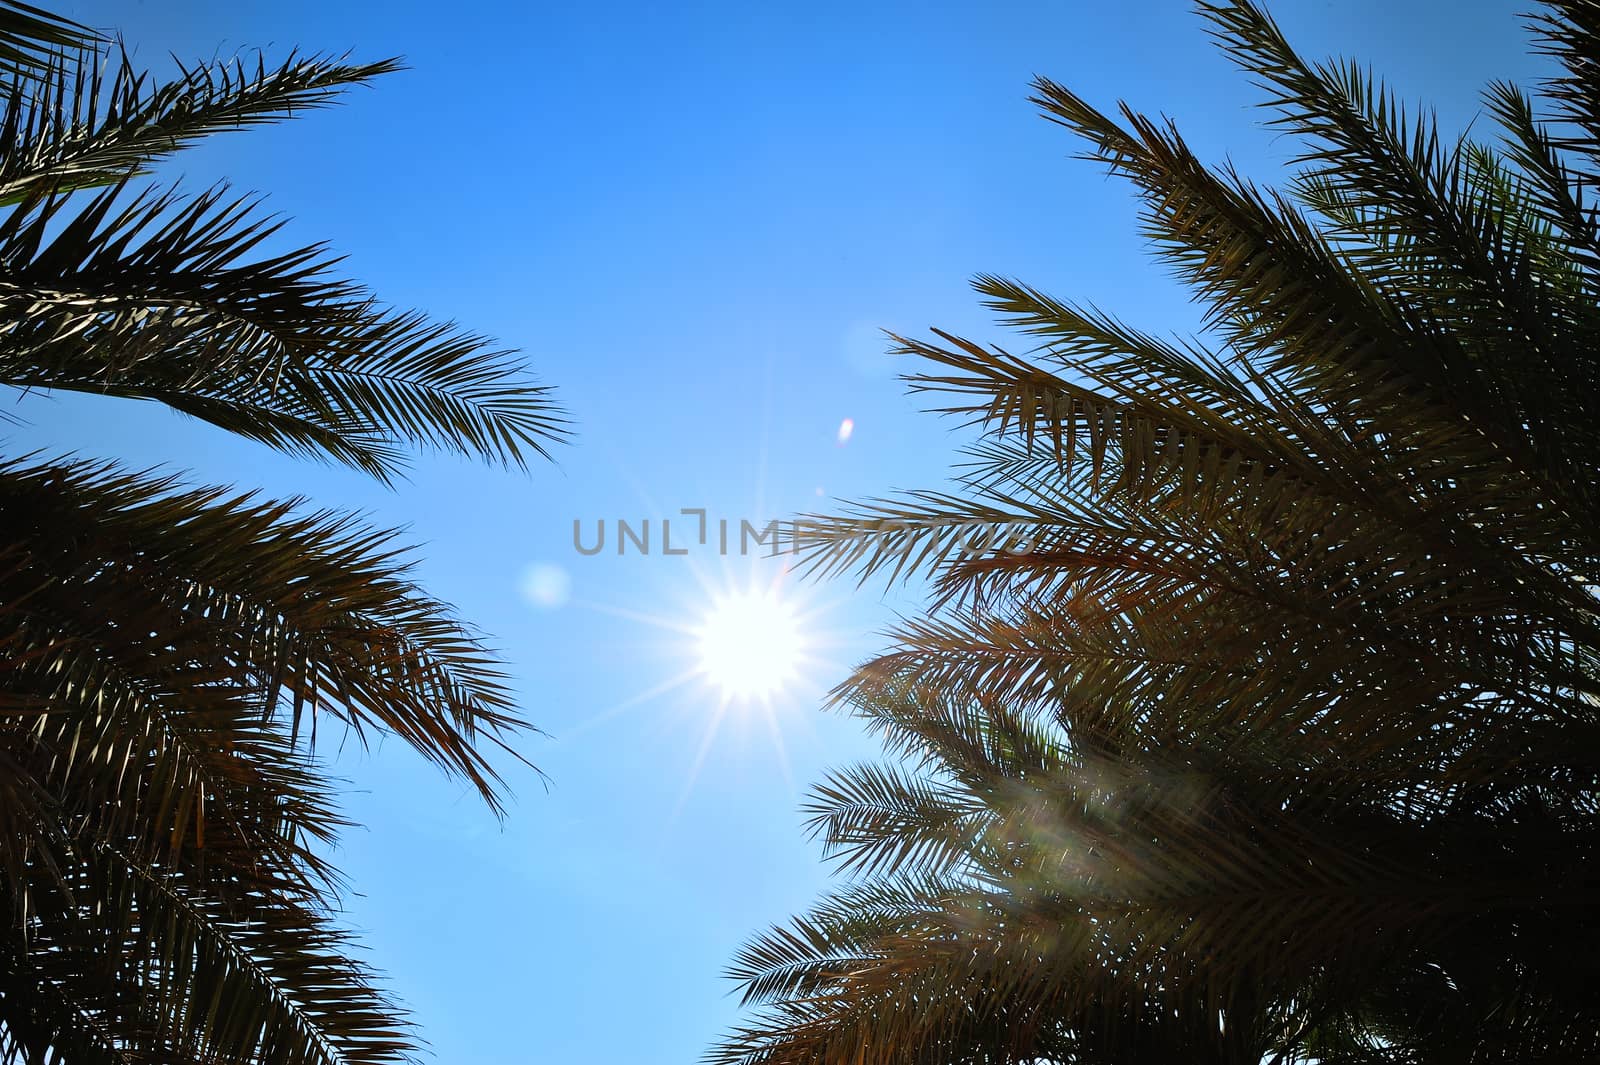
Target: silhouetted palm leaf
154, 298
93, 122
32, 39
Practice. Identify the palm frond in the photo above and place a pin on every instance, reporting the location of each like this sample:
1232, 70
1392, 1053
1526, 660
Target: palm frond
32, 39
101, 119
169, 655
300, 615
147, 965
153, 297
1569, 32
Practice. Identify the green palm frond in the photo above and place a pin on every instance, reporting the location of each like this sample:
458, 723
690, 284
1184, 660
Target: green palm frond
1387, 178
306, 614
1569, 32
1554, 187
169, 655
149, 964
884, 819
100, 120
152, 297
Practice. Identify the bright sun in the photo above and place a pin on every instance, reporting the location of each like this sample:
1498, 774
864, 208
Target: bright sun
749, 644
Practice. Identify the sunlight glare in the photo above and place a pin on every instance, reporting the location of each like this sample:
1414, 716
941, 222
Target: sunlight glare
749, 644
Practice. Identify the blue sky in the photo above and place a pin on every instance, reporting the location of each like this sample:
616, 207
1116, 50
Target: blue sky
694, 218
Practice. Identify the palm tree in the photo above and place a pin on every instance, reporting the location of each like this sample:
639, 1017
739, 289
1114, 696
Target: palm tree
167, 652
1255, 716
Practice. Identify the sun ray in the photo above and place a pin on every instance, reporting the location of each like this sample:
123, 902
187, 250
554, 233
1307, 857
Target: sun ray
707, 737
653, 620
670, 684
771, 719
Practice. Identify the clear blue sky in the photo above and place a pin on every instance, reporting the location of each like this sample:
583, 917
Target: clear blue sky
694, 218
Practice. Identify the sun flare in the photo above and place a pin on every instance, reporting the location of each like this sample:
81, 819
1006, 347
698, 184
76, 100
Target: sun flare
750, 644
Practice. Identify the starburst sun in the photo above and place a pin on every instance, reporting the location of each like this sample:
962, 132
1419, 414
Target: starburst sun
749, 644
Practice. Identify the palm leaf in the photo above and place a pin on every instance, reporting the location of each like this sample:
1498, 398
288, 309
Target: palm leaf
98, 120
31, 39
147, 296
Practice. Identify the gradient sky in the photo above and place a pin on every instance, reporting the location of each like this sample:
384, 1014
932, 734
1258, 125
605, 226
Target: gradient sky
694, 218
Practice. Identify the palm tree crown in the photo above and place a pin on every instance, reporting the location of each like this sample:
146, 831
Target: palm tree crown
166, 651
1255, 718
